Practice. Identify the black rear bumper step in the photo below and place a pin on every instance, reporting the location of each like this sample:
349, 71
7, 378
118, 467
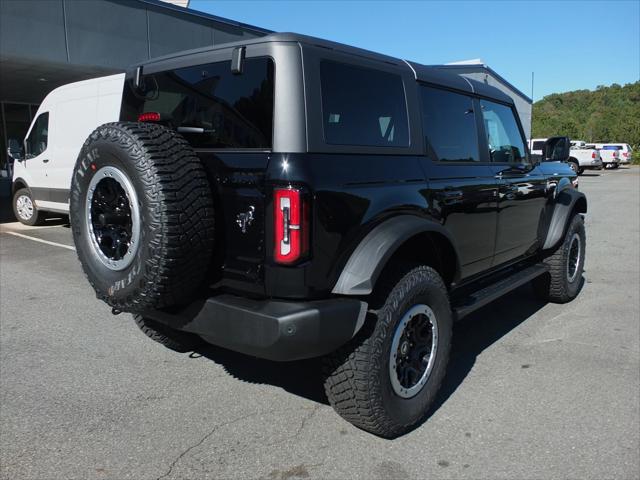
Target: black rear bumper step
272, 329
491, 292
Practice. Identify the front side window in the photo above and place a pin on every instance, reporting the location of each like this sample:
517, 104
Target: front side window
503, 134
212, 107
449, 126
36, 142
363, 106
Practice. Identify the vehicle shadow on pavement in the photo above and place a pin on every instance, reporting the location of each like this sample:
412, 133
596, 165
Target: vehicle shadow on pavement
302, 378
470, 337
482, 329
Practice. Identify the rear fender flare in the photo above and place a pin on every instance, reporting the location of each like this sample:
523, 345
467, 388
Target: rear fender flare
372, 254
567, 201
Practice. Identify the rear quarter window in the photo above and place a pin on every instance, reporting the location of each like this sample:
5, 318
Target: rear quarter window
363, 106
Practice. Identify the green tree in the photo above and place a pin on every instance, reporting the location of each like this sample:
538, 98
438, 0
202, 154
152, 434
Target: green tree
606, 114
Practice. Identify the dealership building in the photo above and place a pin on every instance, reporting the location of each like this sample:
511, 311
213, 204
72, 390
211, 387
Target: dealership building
48, 43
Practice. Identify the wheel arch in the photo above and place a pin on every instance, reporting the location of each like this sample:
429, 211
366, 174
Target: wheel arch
402, 238
17, 184
568, 202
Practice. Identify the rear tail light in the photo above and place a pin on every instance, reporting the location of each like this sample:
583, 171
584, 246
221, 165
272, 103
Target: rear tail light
149, 117
593, 154
291, 225
625, 154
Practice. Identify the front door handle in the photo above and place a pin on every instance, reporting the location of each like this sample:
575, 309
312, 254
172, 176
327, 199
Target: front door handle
45, 160
449, 195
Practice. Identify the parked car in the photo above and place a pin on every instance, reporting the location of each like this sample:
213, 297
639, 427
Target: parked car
610, 154
625, 151
583, 158
351, 207
42, 169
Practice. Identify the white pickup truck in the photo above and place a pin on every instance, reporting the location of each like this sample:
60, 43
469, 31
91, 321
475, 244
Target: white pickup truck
582, 157
610, 154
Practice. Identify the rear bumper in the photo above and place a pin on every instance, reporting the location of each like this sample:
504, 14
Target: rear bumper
270, 329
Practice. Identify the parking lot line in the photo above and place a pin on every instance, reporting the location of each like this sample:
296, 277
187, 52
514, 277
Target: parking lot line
55, 244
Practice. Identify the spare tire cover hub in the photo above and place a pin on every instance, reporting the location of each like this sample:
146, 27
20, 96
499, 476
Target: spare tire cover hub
113, 218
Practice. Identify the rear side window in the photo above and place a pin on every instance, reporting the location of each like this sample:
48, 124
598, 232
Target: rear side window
212, 107
449, 126
503, 135
363, 106
38, 138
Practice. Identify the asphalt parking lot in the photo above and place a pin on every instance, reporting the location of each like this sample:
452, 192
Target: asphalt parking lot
533, 390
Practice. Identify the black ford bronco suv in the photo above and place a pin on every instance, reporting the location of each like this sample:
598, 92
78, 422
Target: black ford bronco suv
289, 197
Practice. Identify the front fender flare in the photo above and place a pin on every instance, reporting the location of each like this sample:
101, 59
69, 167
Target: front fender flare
16, 182
566, 202
371, 255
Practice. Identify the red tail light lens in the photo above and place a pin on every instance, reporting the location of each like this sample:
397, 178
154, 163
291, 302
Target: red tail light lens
149, 117
291, 225
625, 154
593, 154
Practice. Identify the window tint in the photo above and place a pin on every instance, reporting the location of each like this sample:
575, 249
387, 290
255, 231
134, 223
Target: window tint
503, 134
611, 147
36, 142
212, 107
449, 126
362, 106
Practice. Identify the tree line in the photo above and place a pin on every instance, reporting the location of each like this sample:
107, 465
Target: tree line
606, 114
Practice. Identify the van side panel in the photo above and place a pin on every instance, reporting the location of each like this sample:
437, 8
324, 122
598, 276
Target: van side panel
75, 110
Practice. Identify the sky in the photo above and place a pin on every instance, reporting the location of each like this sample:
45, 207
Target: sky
569, 45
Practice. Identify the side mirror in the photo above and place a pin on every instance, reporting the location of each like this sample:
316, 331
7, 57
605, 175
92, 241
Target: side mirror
556, 149
14, 150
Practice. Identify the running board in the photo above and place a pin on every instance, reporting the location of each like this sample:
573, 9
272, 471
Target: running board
488, 294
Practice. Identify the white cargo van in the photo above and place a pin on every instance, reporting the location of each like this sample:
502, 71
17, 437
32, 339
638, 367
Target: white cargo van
42, 169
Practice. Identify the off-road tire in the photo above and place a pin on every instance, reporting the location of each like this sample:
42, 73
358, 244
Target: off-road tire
170, 338
176, 216
37, 218
556, 286
357, 380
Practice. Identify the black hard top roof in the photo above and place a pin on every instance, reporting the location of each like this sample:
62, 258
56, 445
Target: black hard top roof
422, 73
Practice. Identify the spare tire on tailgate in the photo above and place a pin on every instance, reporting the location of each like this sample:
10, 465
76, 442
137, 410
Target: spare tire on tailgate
142, 216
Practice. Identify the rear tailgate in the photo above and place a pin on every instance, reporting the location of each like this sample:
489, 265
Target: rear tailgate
228, 119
